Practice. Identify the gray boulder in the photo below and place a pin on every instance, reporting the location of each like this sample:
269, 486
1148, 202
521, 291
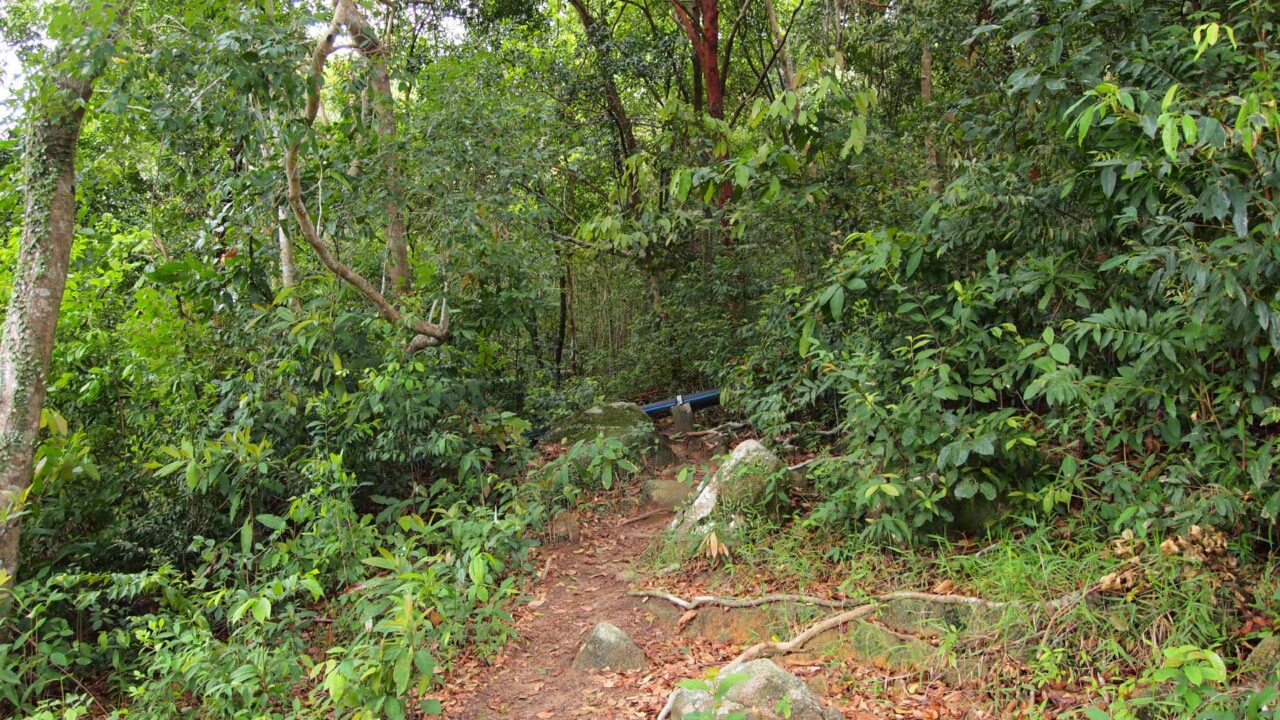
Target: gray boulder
622, 421
608, 647
761, 691
739, 483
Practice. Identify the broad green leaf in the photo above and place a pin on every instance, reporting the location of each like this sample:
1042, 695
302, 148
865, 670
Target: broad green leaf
1169, 139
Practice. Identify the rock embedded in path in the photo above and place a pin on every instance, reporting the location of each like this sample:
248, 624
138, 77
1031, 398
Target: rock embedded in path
667, 493
761, 692
622, 421
608, 647
741, 482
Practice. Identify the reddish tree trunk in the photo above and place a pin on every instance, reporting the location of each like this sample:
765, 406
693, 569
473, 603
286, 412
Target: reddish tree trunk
701, 23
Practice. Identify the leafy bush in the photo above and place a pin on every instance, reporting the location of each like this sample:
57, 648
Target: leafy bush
1082, 316
292, 624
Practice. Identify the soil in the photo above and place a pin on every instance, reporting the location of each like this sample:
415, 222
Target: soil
582, 583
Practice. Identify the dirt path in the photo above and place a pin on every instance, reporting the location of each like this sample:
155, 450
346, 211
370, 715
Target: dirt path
533, 678
584, 583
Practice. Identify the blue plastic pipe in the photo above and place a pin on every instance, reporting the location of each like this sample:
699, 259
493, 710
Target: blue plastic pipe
697, 401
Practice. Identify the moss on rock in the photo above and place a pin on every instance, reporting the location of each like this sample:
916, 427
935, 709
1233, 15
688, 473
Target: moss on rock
621, 421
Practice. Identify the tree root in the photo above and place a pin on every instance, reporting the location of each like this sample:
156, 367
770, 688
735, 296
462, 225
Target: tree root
645, 516
1064, 602
724, 429
728, 602
767, 649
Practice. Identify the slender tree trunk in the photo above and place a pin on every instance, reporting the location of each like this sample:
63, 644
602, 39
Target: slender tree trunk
574, 368
26, 341
697, 84
563, 324
784, 58
288, 265
613, 100
926, 93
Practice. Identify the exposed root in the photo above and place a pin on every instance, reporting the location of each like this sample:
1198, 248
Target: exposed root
766, 649
1065, 602
724, 429
671, 702
713, 600
645, 516
818, 459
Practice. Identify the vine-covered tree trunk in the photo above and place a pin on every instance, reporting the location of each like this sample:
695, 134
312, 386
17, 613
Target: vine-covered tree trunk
26, 341
348, 13
431, 332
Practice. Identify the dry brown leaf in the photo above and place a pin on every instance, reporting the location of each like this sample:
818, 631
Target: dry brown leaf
685, 619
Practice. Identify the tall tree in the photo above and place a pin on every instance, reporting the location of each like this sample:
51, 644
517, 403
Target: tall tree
61, 90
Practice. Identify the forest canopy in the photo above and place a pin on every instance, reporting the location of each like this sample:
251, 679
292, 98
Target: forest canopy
291, 285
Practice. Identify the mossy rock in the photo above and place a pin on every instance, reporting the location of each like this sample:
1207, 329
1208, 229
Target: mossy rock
1265, 658
621, 421
869, 643
667, 493
761, 688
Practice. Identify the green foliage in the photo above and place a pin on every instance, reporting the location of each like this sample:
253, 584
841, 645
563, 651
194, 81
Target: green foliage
237, 635
1049, 287
585, 466
1070, 321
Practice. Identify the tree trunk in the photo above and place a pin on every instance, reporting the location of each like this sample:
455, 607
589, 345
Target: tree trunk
613, 100
780, 38
926, 94
26, 341
563, 323
435, 330
701, 23
288, 266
